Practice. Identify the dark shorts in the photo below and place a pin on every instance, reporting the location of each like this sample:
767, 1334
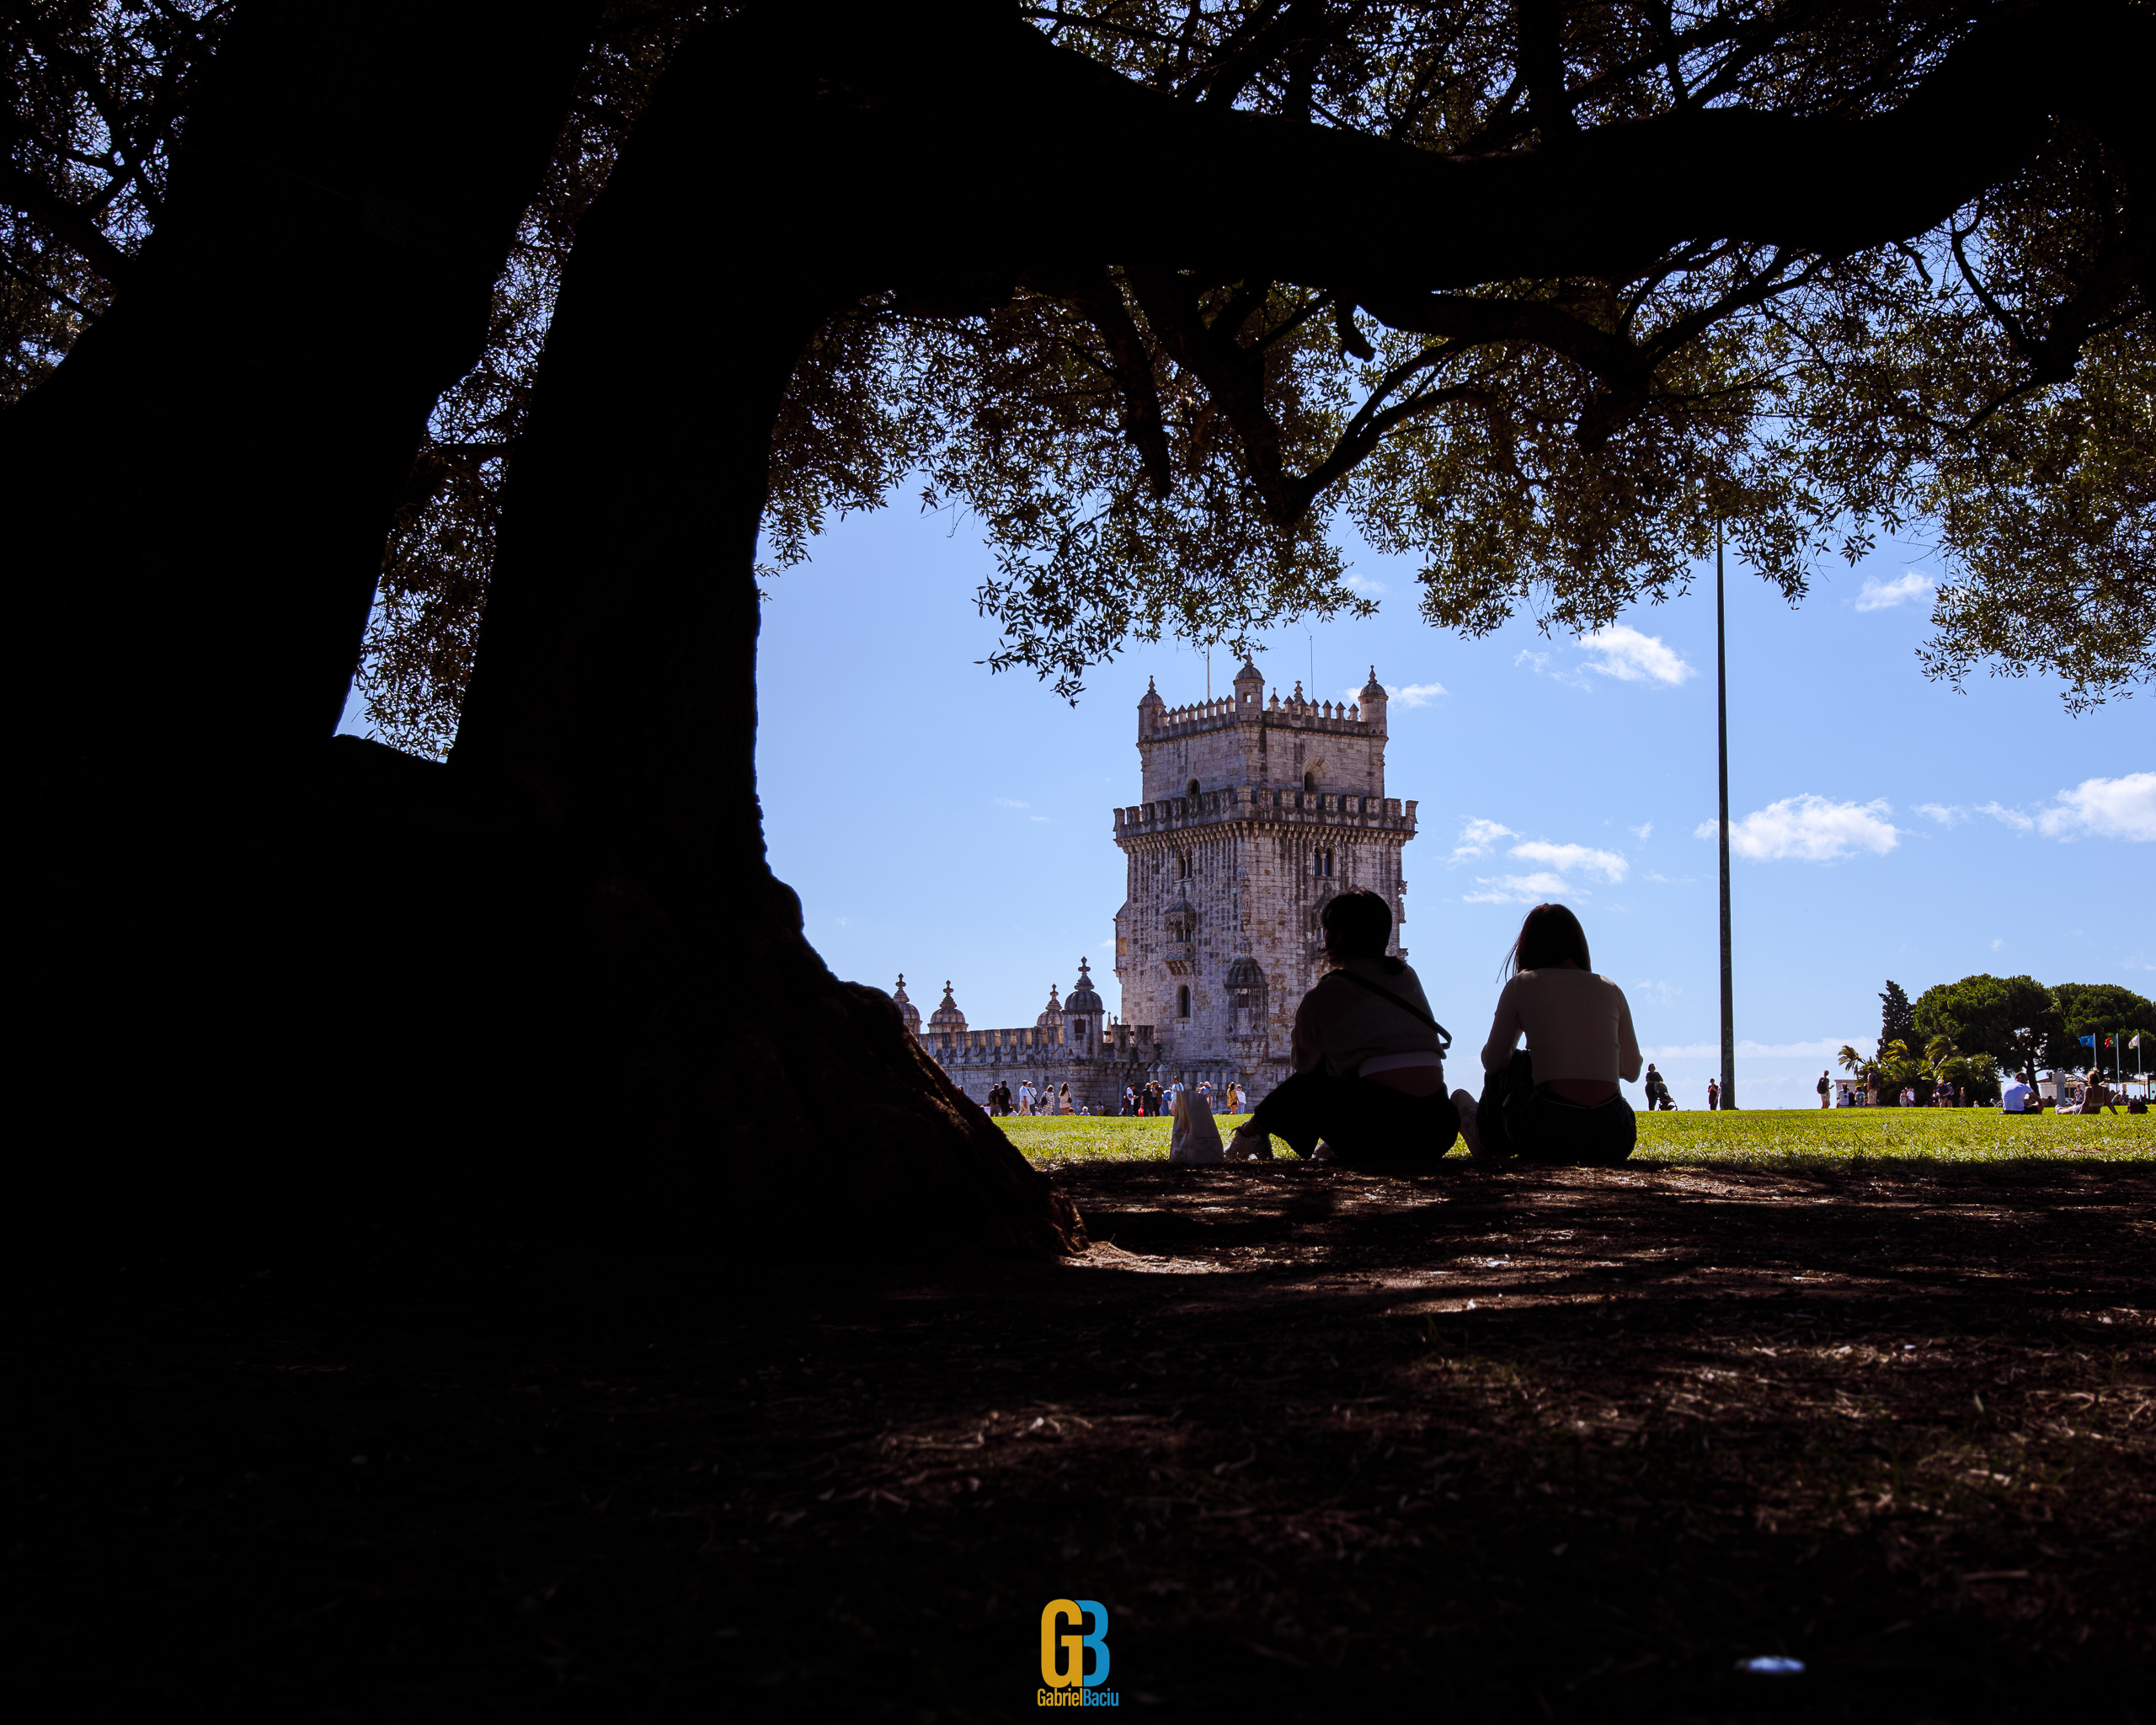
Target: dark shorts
1370, 1127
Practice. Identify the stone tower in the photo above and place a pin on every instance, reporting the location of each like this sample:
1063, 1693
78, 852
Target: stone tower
1255, 814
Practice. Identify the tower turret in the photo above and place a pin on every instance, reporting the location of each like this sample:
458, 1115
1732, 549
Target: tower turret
1372, 701
947, 1020
907, 1010
1083, 1009
1250, 691
1150, 707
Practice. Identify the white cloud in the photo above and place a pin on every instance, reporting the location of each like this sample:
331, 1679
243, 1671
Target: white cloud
1607, 864
1537, 659
1945, 815
1630, 657
1997, 944
1011, 803
1671, 879
1664, 992
2012, 817
1520, 889
1644, 831
1364, 586
1043, 819
1407, 695
2104, 808
1476, 837
1809, 829
1885, 596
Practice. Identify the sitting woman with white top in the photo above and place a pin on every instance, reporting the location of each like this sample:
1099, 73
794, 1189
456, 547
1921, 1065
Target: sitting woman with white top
1557, 1101
1369, 1077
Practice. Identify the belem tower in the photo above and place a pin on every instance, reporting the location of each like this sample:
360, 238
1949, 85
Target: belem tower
1255, 812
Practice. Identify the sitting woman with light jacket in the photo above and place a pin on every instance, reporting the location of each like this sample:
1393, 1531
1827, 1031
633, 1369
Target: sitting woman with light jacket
1556, 1100
1369, 1077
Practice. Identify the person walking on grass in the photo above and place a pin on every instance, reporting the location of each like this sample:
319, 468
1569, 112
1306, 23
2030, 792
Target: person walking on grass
1714, 1093
1823, 1086
1368, 1059
1658, 1090
1557, 1100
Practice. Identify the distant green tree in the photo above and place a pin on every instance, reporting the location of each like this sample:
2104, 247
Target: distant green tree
2099, 1009
1897, 1019
2014, 1019
1976, 1075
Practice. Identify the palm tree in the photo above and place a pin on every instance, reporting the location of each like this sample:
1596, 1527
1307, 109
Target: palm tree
1897, 1066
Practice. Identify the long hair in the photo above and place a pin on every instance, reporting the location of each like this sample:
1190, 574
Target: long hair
1549, 935
1357, 924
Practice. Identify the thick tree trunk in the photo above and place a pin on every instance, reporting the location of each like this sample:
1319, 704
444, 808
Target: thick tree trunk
753, 1096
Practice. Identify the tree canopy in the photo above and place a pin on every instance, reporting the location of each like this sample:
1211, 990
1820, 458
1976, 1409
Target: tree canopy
2024, 1025
1535, 293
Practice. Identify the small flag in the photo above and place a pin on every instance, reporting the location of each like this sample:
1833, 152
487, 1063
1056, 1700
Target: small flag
2089, 1042
2136, 1043
2109, 1040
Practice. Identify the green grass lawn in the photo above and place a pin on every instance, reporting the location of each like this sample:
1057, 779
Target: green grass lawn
1808, 1136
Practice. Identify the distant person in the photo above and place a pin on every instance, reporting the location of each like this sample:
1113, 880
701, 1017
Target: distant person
1823, 1086
2015, 1099
1062, 1099
1658, 1090
1369, 1058
1714, 1093
2095, 1096
1556, 1100
1130, 1101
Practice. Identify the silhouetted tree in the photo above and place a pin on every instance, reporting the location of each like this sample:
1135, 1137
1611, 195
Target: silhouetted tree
1539, 294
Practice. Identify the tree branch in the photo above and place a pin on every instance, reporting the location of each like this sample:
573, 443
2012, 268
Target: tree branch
67, 223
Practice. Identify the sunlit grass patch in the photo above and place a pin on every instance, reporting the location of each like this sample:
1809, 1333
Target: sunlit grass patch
1098, 1137
1826, 1137
1795, 1137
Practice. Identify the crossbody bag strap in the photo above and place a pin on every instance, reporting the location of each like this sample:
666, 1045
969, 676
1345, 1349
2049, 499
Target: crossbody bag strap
1444, 1036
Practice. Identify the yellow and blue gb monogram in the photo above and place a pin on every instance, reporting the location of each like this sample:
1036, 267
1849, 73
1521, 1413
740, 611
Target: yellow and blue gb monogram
1063, 1655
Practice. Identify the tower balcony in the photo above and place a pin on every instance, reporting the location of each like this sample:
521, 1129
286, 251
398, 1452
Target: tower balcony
1273, 805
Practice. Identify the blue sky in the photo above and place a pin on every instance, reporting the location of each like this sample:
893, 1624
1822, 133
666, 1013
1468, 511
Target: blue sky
944, 822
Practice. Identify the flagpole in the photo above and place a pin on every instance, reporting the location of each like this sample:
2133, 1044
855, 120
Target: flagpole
1721, 741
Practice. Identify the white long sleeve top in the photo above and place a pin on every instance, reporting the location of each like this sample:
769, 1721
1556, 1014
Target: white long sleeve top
1577, 1025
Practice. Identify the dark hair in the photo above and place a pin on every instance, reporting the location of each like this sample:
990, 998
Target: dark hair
1550, 935
1357, 924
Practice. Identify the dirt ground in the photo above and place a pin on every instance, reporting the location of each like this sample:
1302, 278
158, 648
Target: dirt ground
1564, 1444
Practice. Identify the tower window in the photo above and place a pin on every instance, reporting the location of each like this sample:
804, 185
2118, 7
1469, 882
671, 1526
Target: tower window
1182, 865
1321, 864
1192, 790
1309, 780
1182, 1001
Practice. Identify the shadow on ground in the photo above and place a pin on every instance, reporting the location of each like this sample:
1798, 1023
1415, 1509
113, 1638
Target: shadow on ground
1565, 1444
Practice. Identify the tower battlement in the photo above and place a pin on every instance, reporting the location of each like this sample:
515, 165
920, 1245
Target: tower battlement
1294, 714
